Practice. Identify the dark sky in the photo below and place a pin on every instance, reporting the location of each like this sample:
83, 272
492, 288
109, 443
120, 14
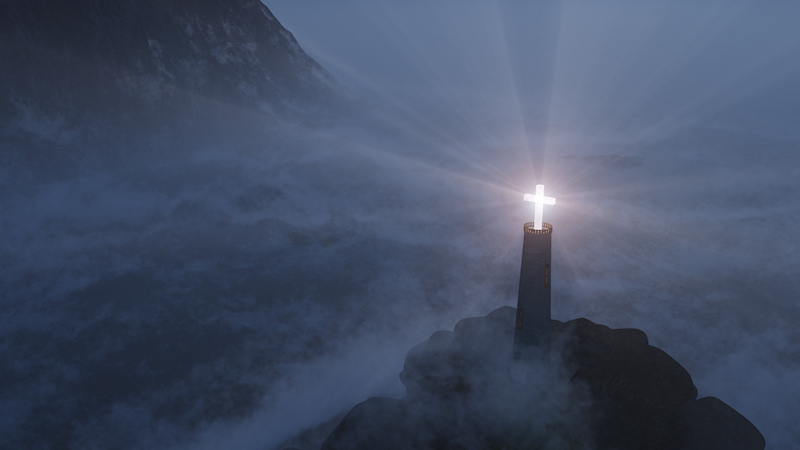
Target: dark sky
667, 131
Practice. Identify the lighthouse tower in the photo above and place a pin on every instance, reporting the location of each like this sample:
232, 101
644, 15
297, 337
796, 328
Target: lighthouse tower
532, 331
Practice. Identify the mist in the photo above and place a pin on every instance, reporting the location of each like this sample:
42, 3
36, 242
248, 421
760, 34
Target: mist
242, 294
665, 131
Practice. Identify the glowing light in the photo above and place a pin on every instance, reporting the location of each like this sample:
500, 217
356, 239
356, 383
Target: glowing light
539, 201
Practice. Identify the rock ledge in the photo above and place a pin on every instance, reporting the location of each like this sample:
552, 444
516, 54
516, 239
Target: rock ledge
606, 389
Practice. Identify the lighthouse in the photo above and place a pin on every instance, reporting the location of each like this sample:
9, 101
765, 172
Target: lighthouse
532, 329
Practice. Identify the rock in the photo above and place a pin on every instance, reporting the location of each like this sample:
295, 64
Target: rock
713, 425
606, 389
455, 362
636, 388
358, 430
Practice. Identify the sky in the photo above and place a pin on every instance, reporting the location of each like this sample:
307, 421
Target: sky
665, 130
233, 297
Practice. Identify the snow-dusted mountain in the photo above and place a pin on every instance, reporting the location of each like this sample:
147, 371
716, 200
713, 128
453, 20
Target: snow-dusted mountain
95, 73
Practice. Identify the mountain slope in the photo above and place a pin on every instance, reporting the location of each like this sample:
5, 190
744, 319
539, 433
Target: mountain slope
146, 197
98, 73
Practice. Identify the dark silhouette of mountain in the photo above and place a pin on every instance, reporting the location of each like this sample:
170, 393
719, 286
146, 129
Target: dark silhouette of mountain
609, 390
144, 74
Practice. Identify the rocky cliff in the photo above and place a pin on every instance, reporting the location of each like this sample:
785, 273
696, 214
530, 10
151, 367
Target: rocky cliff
606, 389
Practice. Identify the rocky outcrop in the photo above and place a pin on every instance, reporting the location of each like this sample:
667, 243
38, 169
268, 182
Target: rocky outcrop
606, 389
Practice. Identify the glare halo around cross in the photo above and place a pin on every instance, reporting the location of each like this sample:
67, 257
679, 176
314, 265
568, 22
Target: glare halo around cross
539, 201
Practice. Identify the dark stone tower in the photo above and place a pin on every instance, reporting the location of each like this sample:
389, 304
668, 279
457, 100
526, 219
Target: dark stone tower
532, 331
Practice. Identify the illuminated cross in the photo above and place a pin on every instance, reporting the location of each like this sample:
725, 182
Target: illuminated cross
539, 200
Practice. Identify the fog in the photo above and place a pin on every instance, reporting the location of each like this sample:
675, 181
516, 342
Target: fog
667, 134
238, 296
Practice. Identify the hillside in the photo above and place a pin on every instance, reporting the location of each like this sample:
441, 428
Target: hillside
100, 79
